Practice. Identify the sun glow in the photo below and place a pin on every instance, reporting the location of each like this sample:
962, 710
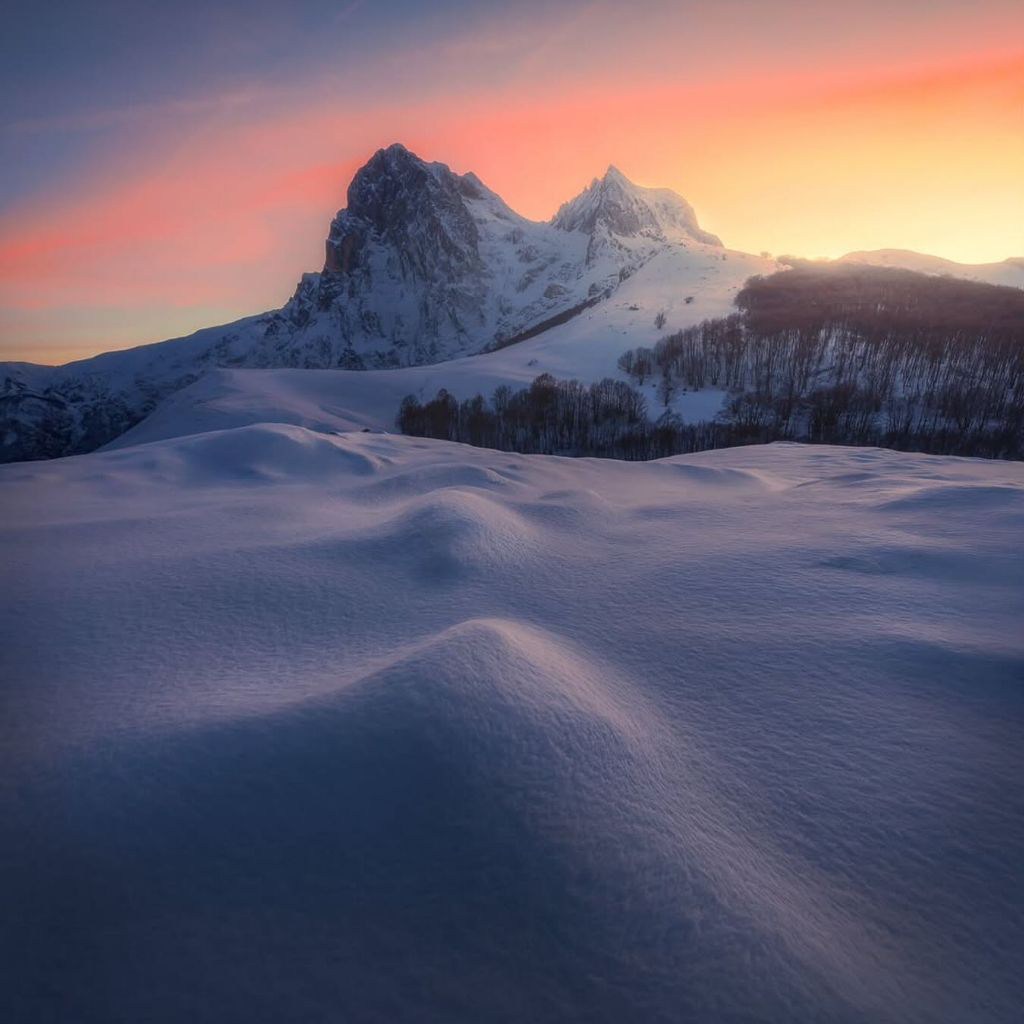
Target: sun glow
210, 211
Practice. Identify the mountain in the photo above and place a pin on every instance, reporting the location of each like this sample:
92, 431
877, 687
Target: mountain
616, 215
422, 265
1007, 272
685, 285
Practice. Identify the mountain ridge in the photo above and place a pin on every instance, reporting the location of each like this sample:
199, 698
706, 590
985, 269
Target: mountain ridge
421, 266
1005, 272
424, 266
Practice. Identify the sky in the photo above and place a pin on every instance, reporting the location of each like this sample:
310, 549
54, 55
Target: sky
169, 167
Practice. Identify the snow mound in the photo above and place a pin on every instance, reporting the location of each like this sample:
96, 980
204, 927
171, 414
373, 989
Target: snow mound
969, 498
366, 727
444, 535
721, 476
260, 453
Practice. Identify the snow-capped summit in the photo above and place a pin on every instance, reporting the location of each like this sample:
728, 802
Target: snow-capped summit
424, 263
614, 208
403, 261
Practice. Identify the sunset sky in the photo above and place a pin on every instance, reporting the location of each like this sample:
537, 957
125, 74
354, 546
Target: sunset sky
167, 167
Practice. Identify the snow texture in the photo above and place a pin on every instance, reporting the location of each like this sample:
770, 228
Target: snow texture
304, 727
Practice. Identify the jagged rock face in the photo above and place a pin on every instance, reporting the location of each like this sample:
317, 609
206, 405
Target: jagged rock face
403, 265
422, 265
418, 209
55, 421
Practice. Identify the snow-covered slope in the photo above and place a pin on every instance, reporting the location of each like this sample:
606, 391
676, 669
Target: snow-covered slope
422, 265
1008, 272
313, 728
587, 348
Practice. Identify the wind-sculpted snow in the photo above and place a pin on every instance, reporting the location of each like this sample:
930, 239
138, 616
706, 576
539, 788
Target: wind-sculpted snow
307, 727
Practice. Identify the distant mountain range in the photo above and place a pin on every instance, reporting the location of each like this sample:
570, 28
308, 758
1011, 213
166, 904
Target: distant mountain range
422, 266
1007, 272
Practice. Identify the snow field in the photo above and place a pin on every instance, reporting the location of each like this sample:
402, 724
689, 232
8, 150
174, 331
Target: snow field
308, 727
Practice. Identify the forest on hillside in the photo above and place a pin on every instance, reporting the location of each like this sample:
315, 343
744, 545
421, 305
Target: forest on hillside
835, 354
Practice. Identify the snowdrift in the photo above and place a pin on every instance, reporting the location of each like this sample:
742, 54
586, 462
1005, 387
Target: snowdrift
305, 727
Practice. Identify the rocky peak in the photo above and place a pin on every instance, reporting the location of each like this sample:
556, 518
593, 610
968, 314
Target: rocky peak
613, 205
414, 208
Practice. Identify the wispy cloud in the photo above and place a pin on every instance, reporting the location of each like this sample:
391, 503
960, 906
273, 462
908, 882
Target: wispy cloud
136, 113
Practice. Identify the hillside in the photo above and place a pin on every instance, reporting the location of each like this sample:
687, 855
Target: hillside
1007, 272
587, 347
836, 353
855, 354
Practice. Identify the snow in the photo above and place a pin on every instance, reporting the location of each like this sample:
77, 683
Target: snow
423, 265
1009, 273
690, 406
305, 727
587, 348
613, 211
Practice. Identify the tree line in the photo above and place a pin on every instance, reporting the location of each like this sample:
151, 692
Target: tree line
838, 354
858, 355
607, 419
